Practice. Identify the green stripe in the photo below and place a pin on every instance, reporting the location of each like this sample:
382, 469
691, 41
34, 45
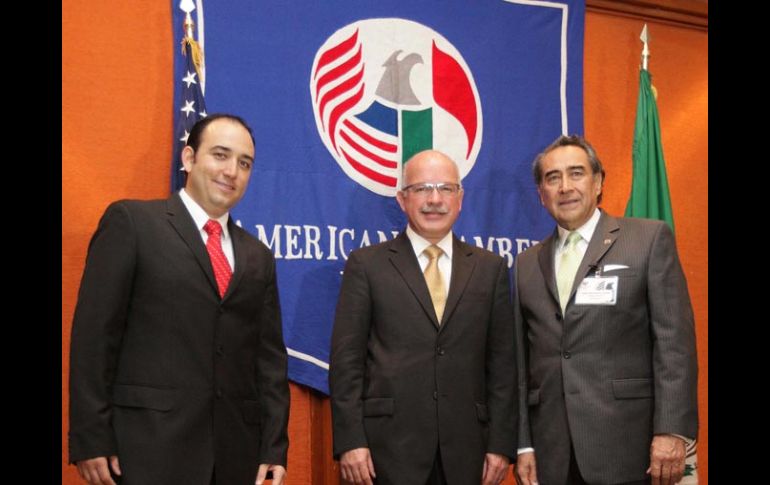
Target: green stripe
417, 127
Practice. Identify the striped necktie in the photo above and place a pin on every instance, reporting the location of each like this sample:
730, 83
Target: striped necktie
568, 265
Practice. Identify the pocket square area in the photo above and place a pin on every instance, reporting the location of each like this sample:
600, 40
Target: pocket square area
612, 267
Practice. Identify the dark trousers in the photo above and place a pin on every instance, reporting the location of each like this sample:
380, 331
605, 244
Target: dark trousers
436, 476
574, 477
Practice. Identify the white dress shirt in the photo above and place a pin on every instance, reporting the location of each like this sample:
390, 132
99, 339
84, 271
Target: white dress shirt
201, 218
586, 231
419, 244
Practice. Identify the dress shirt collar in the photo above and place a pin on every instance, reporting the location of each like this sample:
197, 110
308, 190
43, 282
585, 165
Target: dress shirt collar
199, 215
419, 243
586, 230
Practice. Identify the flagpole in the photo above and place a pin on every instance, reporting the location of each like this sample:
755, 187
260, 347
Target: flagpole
646, 50
188, 6
645, 38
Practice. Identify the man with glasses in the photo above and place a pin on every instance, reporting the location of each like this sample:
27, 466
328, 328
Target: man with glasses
421, 362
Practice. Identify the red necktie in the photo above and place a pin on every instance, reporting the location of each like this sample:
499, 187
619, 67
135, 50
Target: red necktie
222, 270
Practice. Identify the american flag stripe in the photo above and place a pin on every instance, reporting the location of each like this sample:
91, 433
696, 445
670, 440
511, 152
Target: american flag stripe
368, 172
336, 52
339, 110
363, 151
338, 86
382, 145
338, 91
373, 134
338, 71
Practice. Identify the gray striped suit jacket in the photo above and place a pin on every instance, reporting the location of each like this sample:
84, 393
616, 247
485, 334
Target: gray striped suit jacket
605, 378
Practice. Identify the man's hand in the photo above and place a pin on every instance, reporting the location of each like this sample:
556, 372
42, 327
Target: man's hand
495, 468
357, 466
526, 469
667, 454
95, 470
279, 473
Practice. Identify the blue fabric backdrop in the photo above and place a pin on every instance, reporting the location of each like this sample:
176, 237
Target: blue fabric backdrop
264, 61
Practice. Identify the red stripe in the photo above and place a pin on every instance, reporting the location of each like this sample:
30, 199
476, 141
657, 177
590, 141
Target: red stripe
452, 91
338, 71
336, 52
363, 151
385, 146
340, 109
334, 93
369, 173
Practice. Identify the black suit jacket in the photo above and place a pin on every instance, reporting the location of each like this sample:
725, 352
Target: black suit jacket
606, 377
404, 386
164, 373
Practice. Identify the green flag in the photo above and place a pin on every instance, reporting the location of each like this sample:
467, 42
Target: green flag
649, 187
650, 198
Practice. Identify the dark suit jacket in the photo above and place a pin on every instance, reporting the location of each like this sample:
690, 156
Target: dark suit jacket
164, 373
402, 385
606, 376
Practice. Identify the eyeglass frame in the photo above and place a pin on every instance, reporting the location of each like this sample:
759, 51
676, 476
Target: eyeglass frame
433, 186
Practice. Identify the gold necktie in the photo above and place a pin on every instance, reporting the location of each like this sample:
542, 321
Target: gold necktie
434, 280
568, 265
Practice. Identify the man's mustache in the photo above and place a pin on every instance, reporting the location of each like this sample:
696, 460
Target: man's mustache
434, 209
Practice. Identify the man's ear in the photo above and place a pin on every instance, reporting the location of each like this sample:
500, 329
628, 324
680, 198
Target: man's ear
600, 183
400, 199
188, 158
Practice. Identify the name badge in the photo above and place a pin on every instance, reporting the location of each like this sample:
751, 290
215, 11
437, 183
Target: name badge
597, 290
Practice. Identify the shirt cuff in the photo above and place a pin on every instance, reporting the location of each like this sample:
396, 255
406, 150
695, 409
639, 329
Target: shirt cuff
687, 441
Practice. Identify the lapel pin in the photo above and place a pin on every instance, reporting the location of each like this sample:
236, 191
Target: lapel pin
607, 241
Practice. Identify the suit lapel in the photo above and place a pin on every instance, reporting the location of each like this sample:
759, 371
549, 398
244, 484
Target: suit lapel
404, 260
604, 237
545, 258
239, 255
463, 264
182, 222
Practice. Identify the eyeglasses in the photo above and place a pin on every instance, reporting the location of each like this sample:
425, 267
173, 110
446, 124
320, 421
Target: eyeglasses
446, 189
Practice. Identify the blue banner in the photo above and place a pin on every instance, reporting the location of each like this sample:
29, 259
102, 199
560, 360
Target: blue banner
341, 93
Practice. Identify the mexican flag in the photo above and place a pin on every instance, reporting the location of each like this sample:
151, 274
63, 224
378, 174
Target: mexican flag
649, 187
650, 198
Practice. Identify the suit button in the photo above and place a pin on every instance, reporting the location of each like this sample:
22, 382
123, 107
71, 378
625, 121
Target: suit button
219, 393
566, 354
435, 396
440, 351
558, 316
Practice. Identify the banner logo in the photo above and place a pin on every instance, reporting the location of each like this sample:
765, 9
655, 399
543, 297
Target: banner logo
385, 89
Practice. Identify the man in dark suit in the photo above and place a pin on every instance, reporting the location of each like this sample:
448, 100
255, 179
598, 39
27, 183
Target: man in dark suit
605, 338
421, 371
178, 367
